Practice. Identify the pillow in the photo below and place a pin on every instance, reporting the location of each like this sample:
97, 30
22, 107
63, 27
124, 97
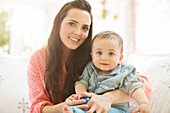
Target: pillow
157, 69
13, 84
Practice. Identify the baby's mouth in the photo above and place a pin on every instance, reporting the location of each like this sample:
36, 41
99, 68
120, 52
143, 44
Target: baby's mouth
104, 64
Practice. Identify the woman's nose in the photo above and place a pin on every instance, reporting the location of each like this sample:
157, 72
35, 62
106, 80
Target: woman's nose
77, 32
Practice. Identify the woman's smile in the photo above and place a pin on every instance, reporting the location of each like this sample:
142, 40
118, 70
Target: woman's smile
74, 40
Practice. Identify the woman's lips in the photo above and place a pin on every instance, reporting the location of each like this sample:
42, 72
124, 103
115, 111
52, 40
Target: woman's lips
74, 39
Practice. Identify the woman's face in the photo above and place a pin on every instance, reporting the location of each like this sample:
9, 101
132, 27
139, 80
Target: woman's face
75, 27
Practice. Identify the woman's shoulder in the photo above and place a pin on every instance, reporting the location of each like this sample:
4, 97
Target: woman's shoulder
39, 52
38, 55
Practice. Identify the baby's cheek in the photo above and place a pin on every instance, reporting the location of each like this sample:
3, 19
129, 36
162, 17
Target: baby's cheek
96, 63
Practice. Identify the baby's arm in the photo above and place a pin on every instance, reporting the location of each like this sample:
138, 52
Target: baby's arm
79, 87
139, 96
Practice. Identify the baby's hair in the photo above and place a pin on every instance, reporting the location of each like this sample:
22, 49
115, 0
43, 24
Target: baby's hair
109, 35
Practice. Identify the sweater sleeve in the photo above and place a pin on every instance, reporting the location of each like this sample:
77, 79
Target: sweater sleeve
35, 76
144, 79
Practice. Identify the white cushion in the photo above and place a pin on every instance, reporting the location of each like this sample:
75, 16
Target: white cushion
157, 69
13, 84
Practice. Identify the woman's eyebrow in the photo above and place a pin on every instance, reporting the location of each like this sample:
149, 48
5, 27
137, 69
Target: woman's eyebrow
74, 21
87, 25
78, 23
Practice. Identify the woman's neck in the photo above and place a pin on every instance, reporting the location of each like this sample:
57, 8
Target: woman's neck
66, 52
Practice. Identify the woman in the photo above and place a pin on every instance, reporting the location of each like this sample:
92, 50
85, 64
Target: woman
53, 70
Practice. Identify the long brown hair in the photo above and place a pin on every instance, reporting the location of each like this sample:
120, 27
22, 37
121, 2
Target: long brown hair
54, 52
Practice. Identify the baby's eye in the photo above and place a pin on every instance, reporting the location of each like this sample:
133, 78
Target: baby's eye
98, 52
111, 53
71, 23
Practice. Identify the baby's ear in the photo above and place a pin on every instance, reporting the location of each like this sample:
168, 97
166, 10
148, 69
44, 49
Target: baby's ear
120, 59
91, 55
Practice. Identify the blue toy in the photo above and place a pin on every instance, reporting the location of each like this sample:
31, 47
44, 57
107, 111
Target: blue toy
86, 98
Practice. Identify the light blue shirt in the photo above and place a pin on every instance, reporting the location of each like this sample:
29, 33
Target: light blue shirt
123, 77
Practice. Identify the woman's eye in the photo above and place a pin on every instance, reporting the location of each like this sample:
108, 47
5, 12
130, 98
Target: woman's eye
71, 23
85, 28
99, 53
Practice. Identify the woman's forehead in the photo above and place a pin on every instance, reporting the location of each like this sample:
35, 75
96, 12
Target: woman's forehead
79, 15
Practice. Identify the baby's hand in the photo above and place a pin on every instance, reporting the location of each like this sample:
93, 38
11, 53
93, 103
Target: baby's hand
73, 100
143, 108
75, 97
87, 100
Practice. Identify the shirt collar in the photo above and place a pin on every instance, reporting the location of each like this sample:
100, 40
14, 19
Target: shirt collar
113, 72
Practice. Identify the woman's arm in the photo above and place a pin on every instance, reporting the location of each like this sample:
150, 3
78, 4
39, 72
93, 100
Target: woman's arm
118, 96
40, 101
102, 103
53, 109
144, 79
70, 101
37, 92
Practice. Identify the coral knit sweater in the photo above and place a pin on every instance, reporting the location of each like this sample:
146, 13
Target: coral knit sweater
35, 75
37, 91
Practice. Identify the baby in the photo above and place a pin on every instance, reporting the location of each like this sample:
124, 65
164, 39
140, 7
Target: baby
106, 72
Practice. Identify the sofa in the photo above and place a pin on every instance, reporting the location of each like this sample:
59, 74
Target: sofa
14, 88
13, 84
157, 70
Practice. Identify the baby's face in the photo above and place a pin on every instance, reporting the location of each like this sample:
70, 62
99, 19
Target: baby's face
106, 54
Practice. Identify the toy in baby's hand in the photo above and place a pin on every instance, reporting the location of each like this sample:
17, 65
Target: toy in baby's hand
85, 98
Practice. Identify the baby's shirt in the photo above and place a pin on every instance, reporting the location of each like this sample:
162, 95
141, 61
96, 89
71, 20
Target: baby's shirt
123, 77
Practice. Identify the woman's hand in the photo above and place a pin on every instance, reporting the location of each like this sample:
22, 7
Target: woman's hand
74, 100
97, 103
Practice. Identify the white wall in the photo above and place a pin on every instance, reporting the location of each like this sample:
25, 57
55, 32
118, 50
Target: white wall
122, 25
32, 21
153, 26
